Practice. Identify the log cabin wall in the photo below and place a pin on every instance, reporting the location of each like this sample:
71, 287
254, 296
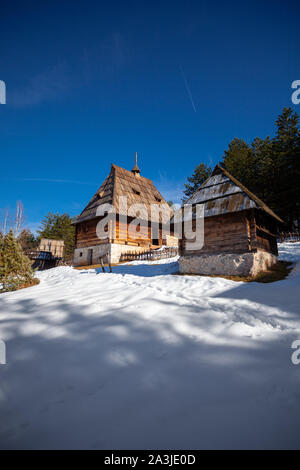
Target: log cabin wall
222, 234
265, 233
146, 238
123, 234
239, 232
86, 234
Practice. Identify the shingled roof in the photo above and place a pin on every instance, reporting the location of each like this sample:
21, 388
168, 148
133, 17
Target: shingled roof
121, 182
222, 193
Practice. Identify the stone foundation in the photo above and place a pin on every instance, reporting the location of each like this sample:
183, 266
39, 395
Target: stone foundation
227, 264
114, 250
81, 255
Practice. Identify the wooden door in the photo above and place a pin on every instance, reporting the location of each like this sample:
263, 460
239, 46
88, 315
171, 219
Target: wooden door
90, 256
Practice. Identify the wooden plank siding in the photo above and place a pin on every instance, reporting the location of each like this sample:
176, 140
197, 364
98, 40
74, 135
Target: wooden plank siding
122, 234
266, 233
86, 234
226, 233
235, 233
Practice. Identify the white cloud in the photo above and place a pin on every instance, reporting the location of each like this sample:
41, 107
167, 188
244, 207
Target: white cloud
46, 86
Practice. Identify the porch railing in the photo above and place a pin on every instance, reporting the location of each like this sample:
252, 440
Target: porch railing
150, 255
291, 237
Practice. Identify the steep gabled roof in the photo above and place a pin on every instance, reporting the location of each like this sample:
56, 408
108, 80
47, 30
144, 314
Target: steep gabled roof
121, 182
222, 193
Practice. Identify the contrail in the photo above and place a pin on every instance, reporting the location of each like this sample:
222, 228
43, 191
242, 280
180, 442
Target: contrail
188, 89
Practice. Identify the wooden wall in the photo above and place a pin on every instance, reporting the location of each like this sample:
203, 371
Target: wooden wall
86, 234
56, 247
266, 233
230, 233
122, 234
238, 232
222, 234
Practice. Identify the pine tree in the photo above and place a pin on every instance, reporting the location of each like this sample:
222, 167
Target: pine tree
15, 267
261, 180
286, 147
254, 166
271, 167
59, 227
201, 173
239, 160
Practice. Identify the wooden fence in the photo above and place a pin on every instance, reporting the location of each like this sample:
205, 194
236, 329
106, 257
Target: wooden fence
290, 237
150, 255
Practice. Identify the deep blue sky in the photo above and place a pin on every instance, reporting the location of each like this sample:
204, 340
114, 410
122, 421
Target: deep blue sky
91, 82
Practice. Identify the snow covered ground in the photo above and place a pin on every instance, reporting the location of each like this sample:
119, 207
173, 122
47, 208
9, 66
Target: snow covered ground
142, 358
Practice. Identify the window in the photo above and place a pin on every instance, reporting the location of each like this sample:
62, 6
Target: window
136, 191
80, 254
158, 199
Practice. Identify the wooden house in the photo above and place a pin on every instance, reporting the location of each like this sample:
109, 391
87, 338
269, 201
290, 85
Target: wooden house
239, 230
136, 189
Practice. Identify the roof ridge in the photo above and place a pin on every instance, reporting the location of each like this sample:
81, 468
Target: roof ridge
113, 174
117, 167
252, 196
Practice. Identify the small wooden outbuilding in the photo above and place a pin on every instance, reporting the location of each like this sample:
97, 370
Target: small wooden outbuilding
55, 247
48, 255
239, 230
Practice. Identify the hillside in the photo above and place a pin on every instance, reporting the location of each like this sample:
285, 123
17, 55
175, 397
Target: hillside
142, 358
